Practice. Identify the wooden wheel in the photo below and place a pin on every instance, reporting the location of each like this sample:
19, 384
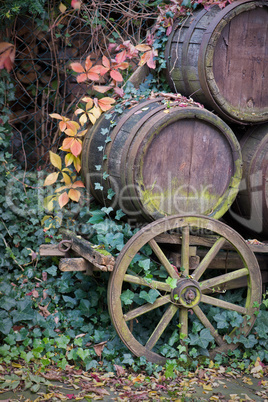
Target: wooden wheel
148, 307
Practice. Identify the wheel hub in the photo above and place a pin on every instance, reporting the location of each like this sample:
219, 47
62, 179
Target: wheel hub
187, 293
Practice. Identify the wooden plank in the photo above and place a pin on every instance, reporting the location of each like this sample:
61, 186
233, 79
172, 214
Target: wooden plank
51, 250
99, 258
75, 264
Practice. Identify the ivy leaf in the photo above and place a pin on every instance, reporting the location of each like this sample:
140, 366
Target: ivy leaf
84, 307
110, 195
127, 297
83, 354
119, 214
150, 297
145, 264
52, 270
107, 210
7, 303
104, 131
97, 217
5, 325
202, 339
100, 148
24, 311
172, 282
105, 175
98, 167
62, 341
221, 320
98, 186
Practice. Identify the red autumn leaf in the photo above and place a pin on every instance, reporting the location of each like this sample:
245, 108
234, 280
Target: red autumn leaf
70, 396
7, 55
116, 75
76, 147
63, 199
119, 91
120, 371
106, 62
76, 4
120, 57
78, 183
77, 67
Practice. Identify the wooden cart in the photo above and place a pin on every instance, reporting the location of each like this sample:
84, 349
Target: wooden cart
203, 257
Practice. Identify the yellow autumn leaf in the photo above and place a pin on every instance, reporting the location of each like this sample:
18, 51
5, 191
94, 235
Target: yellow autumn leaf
207, 387
92, 118
69, 158
211, 364
66, 178
51, 178
62, 8
96, 111
55, 160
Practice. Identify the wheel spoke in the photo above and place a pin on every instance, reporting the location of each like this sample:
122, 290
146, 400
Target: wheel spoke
223, 304
211, 254
152, 284
146, 308
163, 259
161, 326
184, 321
202, 317
185, 250
218, 280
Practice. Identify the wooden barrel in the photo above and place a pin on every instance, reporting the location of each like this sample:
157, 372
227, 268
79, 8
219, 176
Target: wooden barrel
219, 57
250, 208
162, 160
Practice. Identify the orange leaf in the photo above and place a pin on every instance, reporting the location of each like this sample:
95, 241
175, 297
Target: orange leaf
102, 88
87, 99
7, 55
76, 147
77, 67
56, 116
106, 62
120, 57
93, 76
123, 65
62, 125
81, 78
74, 195
88, 63
70, 133
106, 103
66, 145
63, 199
73, 125
78, 183
143, 48
116, 75
51, 178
